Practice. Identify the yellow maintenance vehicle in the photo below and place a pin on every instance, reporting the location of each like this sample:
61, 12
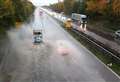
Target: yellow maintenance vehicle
68, 23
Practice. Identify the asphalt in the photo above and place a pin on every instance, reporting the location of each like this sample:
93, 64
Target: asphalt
60, 58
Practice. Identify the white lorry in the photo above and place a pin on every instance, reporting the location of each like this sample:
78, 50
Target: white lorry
80, 20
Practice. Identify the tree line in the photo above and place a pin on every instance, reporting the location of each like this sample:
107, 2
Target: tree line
12, 11
105, 8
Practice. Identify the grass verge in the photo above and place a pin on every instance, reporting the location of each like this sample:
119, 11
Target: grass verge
2, 32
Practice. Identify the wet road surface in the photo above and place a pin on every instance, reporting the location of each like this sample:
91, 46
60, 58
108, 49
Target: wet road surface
59, 59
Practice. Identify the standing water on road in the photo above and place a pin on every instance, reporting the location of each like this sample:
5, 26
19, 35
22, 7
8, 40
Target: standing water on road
59, 59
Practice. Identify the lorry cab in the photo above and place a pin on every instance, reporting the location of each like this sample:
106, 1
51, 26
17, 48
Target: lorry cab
37, 36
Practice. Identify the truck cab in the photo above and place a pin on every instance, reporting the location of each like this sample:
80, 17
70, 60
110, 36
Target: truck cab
37, 36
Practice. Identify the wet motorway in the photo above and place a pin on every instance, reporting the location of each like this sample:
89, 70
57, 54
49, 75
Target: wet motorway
60, 58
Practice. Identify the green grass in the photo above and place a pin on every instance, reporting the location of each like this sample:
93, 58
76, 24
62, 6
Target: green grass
104, 25
2, 31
